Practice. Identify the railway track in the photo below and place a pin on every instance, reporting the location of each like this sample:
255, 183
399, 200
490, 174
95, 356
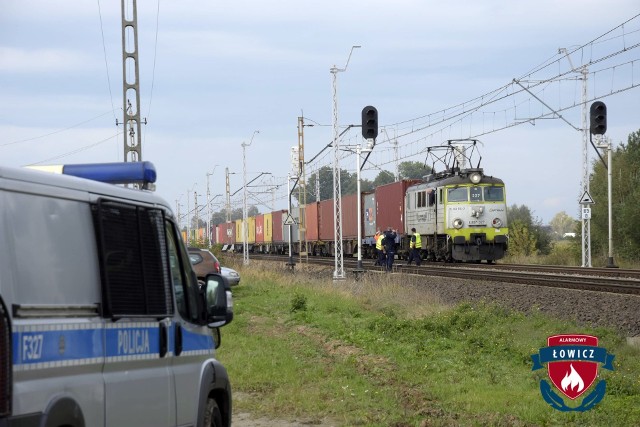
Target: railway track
621, 281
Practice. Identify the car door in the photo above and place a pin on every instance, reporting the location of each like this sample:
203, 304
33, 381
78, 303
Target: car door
138, 307
191, 341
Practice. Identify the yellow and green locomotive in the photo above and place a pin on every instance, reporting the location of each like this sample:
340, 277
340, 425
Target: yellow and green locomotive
460, 212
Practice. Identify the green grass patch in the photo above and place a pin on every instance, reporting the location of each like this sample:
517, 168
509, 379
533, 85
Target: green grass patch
385, 353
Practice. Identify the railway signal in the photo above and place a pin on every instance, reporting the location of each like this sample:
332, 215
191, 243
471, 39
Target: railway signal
598, 114
369, 122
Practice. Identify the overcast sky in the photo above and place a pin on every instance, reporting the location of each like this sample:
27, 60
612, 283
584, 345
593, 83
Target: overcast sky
211, 73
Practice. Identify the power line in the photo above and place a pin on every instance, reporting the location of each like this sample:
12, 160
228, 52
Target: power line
155, 56
104, 49
54, 132
69, 153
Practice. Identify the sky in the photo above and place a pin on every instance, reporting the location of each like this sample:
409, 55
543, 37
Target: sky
212, 73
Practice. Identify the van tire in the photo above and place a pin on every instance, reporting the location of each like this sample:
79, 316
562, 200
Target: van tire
212, 415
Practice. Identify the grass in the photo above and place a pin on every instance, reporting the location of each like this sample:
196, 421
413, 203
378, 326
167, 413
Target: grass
387, 353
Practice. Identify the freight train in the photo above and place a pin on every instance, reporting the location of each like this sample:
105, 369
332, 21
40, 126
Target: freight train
460, 212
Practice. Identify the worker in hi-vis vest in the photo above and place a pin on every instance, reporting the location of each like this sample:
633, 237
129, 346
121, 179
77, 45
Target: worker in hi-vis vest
415, 245
381, 261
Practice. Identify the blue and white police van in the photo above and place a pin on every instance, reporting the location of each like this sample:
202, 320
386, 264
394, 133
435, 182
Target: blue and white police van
102, 319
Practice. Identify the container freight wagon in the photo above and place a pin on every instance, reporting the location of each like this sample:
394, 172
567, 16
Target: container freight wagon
312, 224
227, 235
267, 232
326, 242
326, 233
278, 242
350, 218
251, 232
259, 220
239, 236
350, 224
213, 234
390, 206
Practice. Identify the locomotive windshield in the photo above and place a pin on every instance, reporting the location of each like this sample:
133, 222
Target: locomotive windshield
494, 194
457, 194
476, 194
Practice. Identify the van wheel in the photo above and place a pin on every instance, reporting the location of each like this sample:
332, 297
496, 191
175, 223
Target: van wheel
212, 415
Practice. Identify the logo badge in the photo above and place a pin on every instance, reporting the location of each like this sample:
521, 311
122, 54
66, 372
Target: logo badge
572, 365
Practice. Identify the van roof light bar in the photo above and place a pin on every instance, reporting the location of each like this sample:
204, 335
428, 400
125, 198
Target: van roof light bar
142, 173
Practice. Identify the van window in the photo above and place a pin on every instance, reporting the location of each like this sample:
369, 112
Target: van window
46, 236
185, 288
134, 262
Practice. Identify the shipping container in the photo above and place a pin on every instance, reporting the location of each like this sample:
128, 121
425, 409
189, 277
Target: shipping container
350, 216
251, 230
369, 214
311, 221
239, 234
390, 204
325, 221
278, 219
268, 228
213, 235
259, 228
227, 233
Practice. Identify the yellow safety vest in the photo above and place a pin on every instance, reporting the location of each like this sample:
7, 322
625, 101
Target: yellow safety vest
379, 242
418, 240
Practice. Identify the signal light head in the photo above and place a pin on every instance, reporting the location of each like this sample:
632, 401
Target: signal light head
598, 114
369, 122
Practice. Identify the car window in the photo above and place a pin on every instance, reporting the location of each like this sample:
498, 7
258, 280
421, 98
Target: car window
195, 258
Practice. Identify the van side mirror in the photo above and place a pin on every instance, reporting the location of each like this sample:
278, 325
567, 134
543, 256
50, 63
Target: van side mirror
219, 301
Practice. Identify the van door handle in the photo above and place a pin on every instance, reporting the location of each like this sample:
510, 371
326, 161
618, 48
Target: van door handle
163, 340
178, 339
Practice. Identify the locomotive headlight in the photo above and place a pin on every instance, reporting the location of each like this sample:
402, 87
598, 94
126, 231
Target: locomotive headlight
475, 177
458, 223
497, 223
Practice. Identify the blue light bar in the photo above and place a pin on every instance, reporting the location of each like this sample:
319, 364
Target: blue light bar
114, 173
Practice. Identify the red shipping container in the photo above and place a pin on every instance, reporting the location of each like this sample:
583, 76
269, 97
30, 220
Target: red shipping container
325, 219
213, 236
311, 221
278, 219
260, 228
390, 204
350, 216
227, 233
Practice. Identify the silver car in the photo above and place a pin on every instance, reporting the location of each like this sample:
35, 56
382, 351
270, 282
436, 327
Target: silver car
232, 276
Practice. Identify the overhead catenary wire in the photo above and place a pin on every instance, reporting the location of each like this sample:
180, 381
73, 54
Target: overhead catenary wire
106, 63
153, 72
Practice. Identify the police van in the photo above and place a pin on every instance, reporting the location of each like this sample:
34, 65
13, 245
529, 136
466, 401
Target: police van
102, 320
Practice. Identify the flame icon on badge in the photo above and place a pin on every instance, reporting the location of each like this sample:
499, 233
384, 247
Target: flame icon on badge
571, 380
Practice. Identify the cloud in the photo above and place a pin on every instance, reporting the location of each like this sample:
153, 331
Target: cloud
35, 61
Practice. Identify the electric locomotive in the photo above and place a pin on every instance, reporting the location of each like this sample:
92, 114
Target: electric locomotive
460, 212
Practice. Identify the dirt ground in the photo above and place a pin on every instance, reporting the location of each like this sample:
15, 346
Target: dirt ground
244, 419
247, 420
